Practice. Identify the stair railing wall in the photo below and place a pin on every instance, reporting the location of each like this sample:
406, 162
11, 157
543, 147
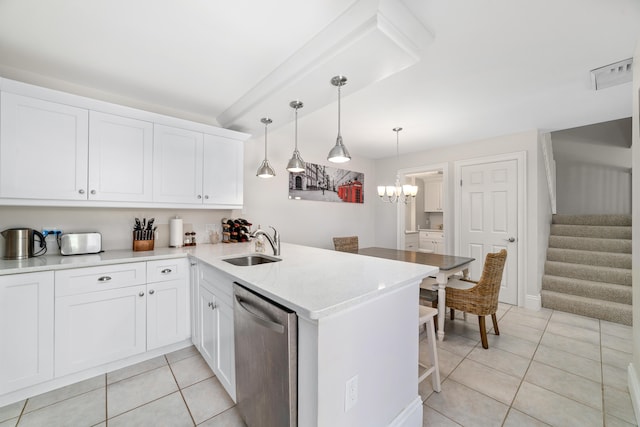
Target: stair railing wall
550, 168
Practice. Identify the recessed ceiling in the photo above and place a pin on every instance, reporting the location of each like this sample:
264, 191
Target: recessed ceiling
491, 68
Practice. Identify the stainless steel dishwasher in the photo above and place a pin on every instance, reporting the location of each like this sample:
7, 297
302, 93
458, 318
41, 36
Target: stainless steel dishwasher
266, 339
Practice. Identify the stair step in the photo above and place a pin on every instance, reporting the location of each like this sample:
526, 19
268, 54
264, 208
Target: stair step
598, 231
622, 220
574, 256
588, 288
599, 309
590, 244
620, 276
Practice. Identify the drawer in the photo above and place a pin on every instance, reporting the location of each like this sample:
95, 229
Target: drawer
167, 269
92, 279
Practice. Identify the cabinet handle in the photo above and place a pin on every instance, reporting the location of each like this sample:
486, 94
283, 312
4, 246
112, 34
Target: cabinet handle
206, 197
199, 197
81, 191
141, 294
104, 278
151, 292
93, 191
166, 271
212, 305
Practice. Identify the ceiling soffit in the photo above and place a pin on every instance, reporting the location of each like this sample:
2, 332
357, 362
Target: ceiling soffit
370, 41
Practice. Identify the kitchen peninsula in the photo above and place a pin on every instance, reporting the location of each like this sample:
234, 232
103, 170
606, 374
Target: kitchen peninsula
357, 318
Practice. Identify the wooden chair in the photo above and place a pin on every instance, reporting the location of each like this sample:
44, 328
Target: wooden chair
346, 244
481, 297
427, 314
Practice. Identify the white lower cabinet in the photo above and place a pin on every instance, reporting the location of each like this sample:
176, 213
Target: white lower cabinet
217, 344
26, 330
94, 328
168, 314
103, 314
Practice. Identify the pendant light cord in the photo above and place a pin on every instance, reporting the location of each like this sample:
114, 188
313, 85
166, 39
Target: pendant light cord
265, 140
339, 87
296, 127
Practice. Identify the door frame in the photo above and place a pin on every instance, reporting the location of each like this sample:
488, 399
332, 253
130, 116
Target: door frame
401, 208
521, 160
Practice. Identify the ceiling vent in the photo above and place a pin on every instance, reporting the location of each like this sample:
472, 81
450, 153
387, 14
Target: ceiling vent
612, 74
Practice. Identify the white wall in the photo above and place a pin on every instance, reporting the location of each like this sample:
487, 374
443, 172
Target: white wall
593, 167
634, 371
114, 224
385, 214
304, 222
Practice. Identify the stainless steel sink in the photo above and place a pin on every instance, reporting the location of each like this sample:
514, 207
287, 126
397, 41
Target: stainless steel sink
255, 259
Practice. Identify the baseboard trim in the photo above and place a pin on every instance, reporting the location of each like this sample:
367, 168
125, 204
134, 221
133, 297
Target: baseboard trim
634, 390
533, 302
411, 416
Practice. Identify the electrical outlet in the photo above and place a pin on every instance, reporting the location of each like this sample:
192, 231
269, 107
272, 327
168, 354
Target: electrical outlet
50, 230
351, 393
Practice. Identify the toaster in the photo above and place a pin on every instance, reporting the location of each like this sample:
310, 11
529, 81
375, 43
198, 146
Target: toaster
80, 243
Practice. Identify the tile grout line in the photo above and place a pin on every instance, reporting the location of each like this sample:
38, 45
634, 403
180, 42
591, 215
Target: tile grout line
193, 420
525, 374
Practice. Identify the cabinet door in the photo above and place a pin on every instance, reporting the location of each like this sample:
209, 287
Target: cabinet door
120, 158
43, 149
222, 171
26, 330
99, 327
167, 313
177, 165
208, 326
225, 363
433, 195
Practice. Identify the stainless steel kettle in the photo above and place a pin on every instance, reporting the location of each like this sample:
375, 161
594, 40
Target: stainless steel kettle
19, 243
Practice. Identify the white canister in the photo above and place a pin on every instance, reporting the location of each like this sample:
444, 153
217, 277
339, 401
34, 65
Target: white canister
175, 232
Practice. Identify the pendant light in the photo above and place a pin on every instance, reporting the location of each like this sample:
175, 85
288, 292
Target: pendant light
296, 164
339, 153
265, 170
397, 193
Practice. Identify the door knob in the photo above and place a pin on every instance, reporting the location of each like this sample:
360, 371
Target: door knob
511, 239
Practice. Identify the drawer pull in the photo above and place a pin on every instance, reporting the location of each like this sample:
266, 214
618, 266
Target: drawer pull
104, 278
141, 294
151, 292
166, 271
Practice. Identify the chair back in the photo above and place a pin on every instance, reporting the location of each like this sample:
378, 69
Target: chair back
488, 287
346, 244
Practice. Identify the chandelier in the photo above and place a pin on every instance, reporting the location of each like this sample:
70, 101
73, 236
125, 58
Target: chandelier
397, 193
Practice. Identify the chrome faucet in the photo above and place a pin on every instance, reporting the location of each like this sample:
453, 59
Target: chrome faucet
274, 242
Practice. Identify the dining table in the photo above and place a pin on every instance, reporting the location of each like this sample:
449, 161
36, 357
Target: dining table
447, 265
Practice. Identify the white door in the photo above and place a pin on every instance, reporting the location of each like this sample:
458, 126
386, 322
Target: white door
208, 326
489, 219
43, 149
167, 313
26, 330
120, 158
225, 365
99, 327
222, 171
177, 165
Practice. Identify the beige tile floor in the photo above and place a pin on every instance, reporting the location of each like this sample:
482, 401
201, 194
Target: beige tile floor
546, 368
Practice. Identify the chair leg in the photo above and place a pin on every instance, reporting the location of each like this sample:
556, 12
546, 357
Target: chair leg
452, 313
495, 324
433, 355
483, 332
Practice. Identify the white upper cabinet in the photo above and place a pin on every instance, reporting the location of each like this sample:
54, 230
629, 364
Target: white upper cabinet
43, 149
222, 168
177, 165
120, 158
58, 149
195, 168
433, 194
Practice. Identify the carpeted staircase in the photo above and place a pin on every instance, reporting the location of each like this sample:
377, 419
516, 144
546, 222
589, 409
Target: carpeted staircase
588, 267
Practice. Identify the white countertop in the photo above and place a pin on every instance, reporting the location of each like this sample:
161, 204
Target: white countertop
313, 282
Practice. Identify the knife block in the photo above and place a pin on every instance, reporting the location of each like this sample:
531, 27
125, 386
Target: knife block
142, 245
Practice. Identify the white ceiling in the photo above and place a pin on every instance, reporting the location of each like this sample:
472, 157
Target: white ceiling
493, 67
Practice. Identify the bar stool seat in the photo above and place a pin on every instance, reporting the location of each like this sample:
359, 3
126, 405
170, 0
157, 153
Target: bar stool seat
425, 320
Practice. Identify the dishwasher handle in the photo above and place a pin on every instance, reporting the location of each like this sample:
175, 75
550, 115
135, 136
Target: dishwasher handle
275, 327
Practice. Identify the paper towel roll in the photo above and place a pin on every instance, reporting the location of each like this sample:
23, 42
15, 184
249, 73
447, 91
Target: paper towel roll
176, 238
